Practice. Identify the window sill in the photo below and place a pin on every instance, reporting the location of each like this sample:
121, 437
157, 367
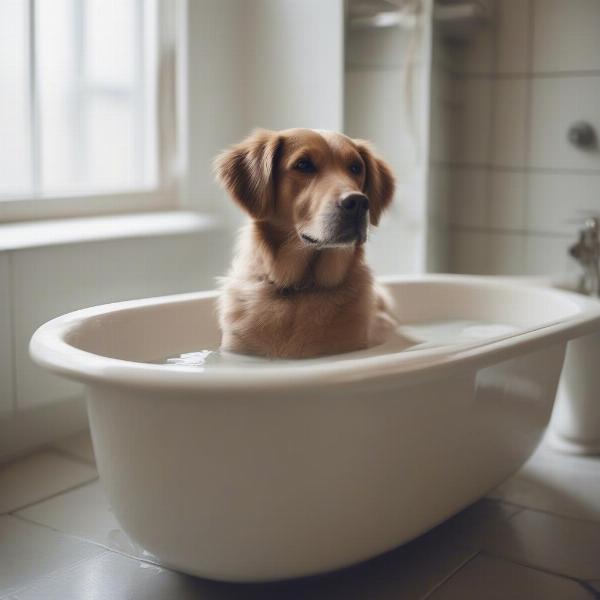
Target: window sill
34, 234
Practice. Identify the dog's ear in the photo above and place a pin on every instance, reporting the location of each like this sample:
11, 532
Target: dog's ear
246, 171
379, 181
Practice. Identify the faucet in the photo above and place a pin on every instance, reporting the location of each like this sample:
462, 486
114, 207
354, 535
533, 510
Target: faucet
587, 253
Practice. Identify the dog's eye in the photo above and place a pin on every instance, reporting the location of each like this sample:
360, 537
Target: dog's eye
356, 168
305, 165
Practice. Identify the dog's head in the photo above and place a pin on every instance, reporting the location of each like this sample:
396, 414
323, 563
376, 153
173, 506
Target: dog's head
324, 185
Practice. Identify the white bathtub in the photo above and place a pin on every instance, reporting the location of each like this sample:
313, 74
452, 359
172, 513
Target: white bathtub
264, 472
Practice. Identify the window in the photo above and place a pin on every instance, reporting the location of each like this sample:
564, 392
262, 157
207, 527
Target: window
81, 107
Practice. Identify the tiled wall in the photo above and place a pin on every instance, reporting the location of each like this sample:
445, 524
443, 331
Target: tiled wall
40, 283
516, 184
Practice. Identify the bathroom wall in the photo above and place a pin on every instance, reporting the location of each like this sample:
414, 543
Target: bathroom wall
266, 63
52, 268
248, 64
386, 91
517, 185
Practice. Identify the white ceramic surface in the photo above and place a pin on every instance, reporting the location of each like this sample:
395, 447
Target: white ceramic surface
575, 424
300, 467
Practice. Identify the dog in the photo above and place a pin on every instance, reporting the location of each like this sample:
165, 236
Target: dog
299, 286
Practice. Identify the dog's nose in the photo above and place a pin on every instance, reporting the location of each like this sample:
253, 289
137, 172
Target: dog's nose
355, 204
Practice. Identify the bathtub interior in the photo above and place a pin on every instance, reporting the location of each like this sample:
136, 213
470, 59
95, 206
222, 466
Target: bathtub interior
149, 330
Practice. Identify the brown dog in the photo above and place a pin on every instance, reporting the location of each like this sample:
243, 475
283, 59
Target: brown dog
299, 286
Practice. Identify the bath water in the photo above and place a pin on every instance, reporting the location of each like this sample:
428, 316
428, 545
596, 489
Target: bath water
406, 338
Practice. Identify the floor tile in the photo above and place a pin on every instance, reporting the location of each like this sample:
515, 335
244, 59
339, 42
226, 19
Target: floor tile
559, 483
85, 513
39, 476
111, 576
562, 546
409, 573
413, 569
78, 445
491, 578
473, 526
29, 551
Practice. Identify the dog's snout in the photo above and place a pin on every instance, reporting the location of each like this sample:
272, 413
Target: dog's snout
354, 204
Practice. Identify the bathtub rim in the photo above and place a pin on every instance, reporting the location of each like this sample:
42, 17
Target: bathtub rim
49, 349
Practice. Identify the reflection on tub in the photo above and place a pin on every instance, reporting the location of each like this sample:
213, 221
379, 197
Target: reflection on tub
416, 336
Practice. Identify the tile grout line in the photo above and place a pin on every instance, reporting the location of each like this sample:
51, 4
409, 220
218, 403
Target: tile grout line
108, 549
544, 511
13, 513
546, 571
452, 573
66, 454
491, 143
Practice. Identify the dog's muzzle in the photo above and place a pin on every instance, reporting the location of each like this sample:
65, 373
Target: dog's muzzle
350, 222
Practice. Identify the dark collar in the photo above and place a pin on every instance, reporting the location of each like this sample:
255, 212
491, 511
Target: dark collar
292, 289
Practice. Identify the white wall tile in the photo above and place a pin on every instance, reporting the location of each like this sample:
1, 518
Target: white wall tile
506, 254
556, 103
49, 282
509, 134
379, 47
513, 22
548, 255
469, 251
6, 351
559, 202
566, 35
494, 579
477, 56
506, 209
471, 126
468, 198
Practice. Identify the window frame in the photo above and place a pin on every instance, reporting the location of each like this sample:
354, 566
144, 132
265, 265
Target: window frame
165, 196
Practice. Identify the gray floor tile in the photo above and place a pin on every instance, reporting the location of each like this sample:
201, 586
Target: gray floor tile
488, 578
29, 551
564, 546
560, 483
